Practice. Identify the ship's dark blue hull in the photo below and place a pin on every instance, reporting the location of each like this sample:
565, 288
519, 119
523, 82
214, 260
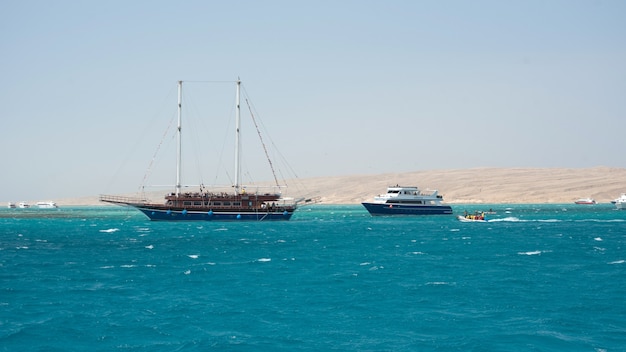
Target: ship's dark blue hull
185, 215
403, 209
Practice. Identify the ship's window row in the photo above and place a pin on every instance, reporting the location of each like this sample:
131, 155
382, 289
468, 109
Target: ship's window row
207, 204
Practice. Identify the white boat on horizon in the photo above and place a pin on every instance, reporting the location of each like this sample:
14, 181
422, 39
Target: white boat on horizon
620, 203
46, 205
11, 205
585, 201
403, 200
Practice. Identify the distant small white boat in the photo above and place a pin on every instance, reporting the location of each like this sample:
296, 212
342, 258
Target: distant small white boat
47, 205
585, 201
620, 203
23, 205
10, 205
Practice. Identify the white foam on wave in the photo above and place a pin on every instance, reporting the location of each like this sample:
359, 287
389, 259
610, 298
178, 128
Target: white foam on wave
193, 256
507, 219
150, 247
110, 230
263, 260
601, 220
529, 253
618, 262
516, 219
187, 272
439, 283
598, 239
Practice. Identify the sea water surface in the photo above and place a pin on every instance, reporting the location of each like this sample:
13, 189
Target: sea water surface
538, 278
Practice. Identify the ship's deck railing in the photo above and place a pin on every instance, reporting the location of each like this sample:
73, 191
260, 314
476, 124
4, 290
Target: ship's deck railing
122, 199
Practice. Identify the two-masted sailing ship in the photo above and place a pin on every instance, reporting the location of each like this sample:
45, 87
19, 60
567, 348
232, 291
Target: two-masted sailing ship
238, 205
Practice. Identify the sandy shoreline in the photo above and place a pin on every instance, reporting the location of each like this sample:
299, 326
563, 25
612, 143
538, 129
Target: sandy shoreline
467, 186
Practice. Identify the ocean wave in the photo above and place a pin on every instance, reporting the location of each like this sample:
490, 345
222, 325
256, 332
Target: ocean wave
110, 230
508, 219
530, 253
440, 283
600, 220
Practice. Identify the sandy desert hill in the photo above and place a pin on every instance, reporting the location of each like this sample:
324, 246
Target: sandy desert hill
478, 185
484, 185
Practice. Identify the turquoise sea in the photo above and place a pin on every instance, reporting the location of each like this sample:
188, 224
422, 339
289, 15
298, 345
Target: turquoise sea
539, 278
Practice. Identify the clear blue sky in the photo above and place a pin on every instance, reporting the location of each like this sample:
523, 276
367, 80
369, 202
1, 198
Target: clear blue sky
344, 87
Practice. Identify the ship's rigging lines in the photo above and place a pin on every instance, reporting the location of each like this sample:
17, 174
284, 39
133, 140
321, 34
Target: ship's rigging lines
263, 144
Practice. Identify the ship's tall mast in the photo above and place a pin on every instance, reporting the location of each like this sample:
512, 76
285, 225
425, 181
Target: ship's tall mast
178, 137
237, 140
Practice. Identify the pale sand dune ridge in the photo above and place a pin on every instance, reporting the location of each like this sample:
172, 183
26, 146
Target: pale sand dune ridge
485, 185
477, 185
